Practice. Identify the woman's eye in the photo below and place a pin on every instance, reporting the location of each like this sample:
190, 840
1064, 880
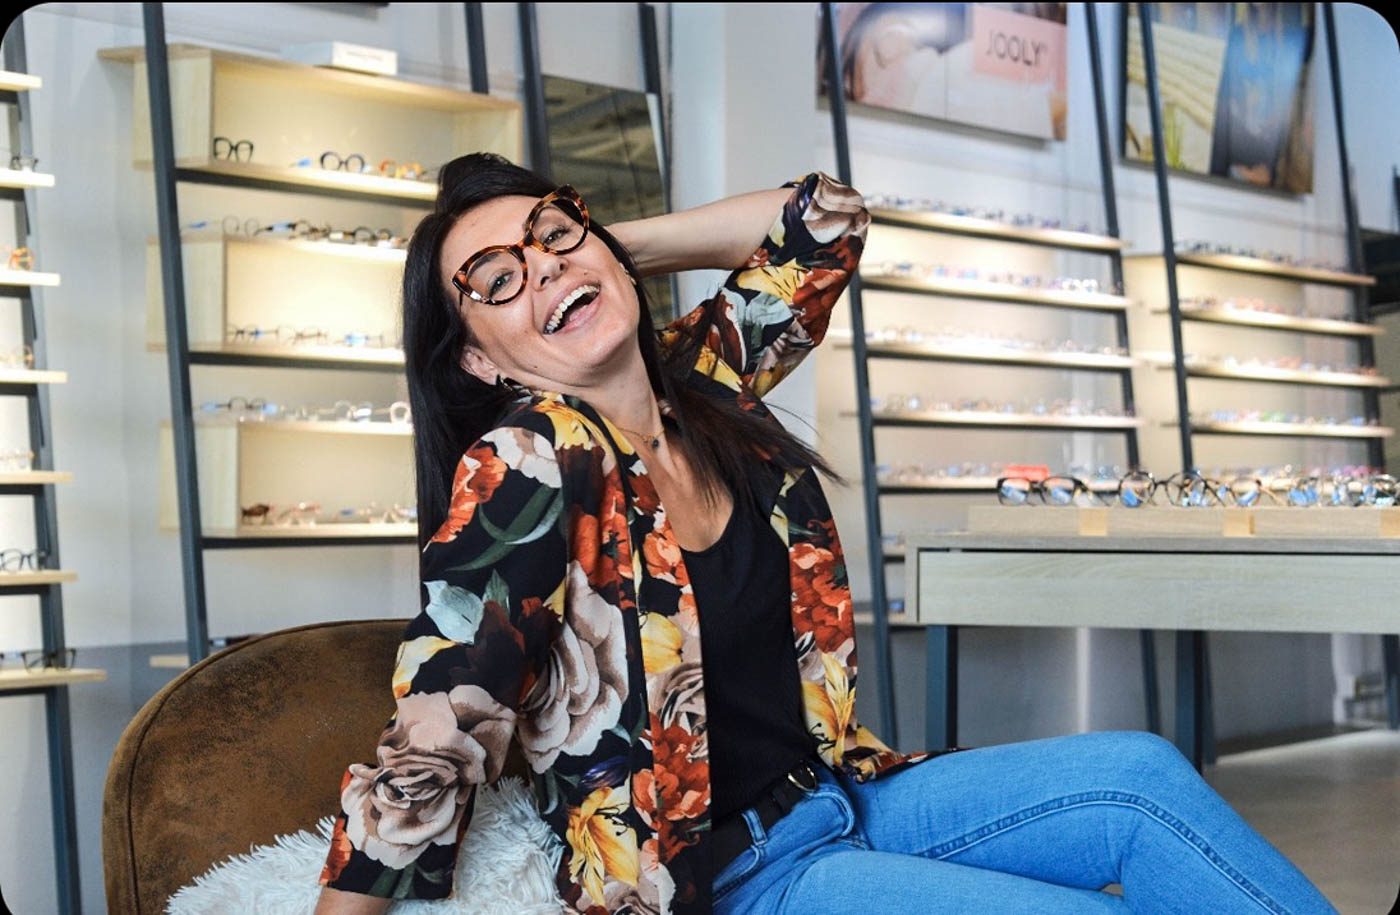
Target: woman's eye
553, 234
498, 283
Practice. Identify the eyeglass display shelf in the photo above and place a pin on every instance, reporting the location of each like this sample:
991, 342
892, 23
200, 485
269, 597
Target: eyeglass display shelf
992, 229
22, 178
1237, 263
1305, 430
30, 579
18, 680
1274, 321
969, 485
311, 179
980, 419
323, 531
309, 426
32, 376
937, 352
10, 81
293, 356
1001, 292
348, 249
1206, 369
27, 278
34, 477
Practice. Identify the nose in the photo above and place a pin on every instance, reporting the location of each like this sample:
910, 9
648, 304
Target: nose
545, 266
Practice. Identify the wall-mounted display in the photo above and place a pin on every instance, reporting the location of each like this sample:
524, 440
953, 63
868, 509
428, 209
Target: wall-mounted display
1235, 90
995, 65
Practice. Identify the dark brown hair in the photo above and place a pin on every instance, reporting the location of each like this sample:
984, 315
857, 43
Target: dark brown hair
453, 408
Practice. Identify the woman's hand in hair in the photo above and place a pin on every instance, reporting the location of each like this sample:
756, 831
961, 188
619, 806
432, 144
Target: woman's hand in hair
716, 236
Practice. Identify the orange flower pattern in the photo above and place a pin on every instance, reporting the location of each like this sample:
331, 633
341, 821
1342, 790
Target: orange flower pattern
555, 596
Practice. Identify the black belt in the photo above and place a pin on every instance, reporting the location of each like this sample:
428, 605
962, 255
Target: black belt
731, 836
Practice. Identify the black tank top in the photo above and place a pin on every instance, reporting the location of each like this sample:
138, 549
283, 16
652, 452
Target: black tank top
753, 696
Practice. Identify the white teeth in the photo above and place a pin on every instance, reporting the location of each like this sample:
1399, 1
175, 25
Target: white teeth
571, 298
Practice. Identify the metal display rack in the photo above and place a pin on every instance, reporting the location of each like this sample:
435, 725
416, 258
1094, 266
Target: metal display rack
168, 173
32, 383
941, 641
1193, 728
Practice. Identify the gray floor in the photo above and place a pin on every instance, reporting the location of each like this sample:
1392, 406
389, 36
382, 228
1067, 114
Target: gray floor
1332, 806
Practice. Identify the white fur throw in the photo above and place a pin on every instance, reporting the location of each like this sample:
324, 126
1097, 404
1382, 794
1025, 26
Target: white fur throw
505, 867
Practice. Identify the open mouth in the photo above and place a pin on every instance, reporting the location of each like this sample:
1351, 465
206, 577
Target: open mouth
571, 307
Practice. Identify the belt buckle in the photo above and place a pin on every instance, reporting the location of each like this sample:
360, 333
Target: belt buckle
811, 774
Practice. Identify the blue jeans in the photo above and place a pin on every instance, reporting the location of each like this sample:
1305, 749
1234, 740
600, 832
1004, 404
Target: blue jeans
1040, 826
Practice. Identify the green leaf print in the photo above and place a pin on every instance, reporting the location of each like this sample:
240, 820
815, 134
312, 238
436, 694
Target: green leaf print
534, 519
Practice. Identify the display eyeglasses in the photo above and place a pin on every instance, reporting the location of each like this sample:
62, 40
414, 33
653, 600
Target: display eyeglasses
410, 170
258, 409
40, 660
992, 214
1195, 246
17, 258
1051, 490
496, 275
23, 163
308, 514
924, 271
20, 357
1283, 417
17, 560
16, 460
954, 337
1292, 363
917, 403
1257, 305
233, 150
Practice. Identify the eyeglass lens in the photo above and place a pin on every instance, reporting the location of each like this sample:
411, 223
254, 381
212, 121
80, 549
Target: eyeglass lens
499, 276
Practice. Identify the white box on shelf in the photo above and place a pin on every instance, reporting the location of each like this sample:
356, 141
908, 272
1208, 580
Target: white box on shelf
344, 56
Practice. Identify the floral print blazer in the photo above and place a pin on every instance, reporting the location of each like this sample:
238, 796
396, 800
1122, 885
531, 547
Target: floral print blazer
557, 611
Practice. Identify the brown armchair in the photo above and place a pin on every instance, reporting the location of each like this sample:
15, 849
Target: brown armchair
246, 745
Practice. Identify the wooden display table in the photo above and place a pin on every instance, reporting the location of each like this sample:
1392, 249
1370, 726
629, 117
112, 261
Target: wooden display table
1193, 584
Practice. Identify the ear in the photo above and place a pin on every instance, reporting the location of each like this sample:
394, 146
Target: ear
475, 362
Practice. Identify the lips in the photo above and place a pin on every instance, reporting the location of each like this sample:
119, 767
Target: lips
559, 312
578, 315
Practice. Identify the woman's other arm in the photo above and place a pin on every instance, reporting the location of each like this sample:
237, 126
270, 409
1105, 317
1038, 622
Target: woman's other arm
716, 236
493, 584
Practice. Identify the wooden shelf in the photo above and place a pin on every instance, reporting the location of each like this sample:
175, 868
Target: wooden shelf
341, 249
1282, 376
290, 178
19, 679
1305, 430
989, 228
1268, 319
19, 178
347, 531
1258, 265
27, 278
30, 579
971, 485
1001, 292
11, 81
319, 427
34, 477
968, 418
32, 376
286, 356
170, 661
997, 356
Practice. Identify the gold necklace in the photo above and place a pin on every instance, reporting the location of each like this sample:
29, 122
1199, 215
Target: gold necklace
653, 440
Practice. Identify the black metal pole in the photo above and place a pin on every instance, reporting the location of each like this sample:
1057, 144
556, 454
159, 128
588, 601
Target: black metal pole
177, 347
1159, 162
536, 120
656, 104
835, 95
1190, 644
476, 49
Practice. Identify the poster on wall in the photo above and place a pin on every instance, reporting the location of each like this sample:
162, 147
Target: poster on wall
1235, 87
994, 65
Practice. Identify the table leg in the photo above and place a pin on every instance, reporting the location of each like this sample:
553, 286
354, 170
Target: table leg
1190, 672
1207, 700
1148, 640
1390, 650
941, 699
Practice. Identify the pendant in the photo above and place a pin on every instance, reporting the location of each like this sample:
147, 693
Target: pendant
656, 443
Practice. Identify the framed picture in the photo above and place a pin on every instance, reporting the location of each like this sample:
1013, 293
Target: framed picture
999, 66
1235, 87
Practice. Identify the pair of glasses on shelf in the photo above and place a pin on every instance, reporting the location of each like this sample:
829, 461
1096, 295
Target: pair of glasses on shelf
410, 170
39, 660
17, 258
495, 275
233, 150
1379, 489
898, 403
23, 163
1193, 246
304, 336
17, 560
21, 357
1135, 489
1286, 418
16, 460
374, 514
298, 515
991, 214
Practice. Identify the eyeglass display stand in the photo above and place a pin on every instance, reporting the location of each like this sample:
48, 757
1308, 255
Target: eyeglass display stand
1194, 720
205, 284
941, 641
33, 384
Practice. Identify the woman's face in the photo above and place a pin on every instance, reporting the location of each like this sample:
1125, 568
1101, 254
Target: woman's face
517, 338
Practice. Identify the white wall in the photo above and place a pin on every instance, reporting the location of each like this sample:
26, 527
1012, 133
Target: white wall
744, 117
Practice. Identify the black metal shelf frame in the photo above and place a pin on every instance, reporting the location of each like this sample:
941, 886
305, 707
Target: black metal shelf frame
941, 641
57, 712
